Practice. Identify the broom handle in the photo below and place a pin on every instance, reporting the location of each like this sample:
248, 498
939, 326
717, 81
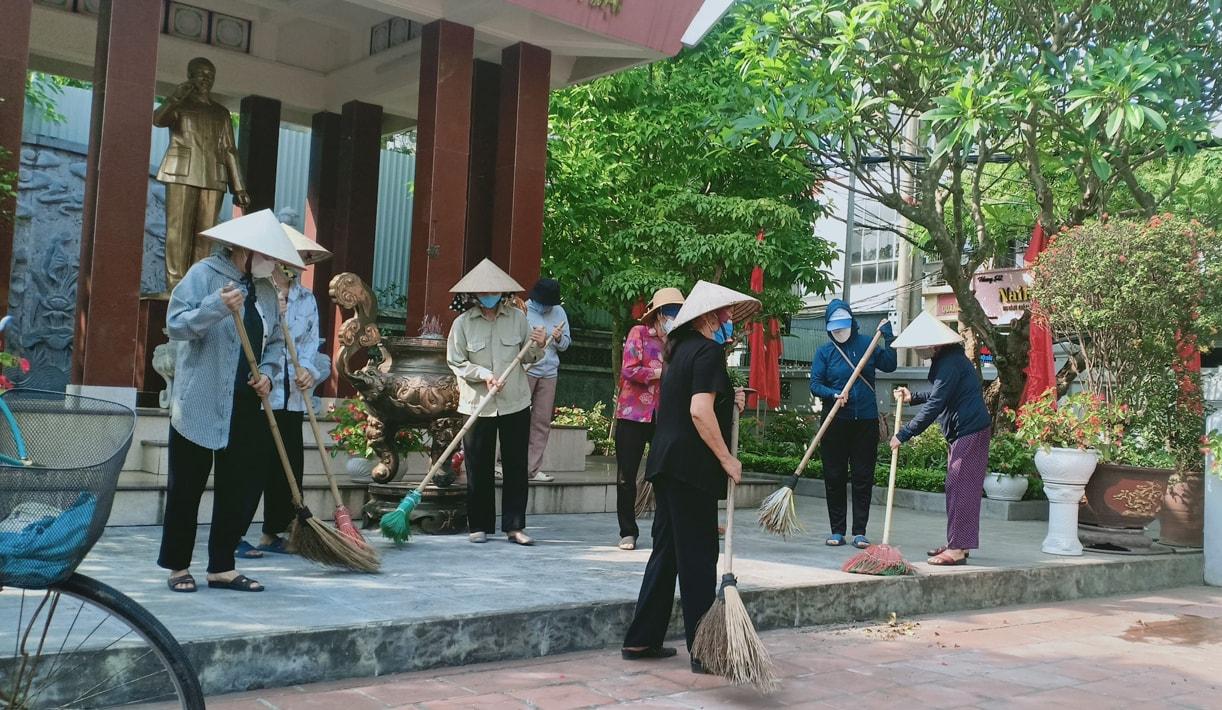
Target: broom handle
267, 409
483, 404
895, 459
730, 495
827, 421
309, 406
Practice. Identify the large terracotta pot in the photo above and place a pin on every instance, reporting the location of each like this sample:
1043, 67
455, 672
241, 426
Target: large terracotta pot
1065, 473
1124, 496
1182, 521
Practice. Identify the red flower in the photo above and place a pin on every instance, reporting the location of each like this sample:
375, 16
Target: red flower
25, 366
5, 383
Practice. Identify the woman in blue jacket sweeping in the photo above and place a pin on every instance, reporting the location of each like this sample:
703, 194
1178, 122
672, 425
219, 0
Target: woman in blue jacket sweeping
851, 442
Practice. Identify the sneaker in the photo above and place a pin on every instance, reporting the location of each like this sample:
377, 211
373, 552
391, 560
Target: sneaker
542, 477
478, 537
627, 542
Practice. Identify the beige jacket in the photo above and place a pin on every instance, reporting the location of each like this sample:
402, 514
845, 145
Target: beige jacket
479, 348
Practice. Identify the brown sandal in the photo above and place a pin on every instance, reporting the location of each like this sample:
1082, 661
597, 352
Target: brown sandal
939, 550
944, 559
183, 583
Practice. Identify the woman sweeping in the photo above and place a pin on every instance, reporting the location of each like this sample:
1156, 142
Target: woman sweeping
287, 396
688, 464
957, 403
215, 420
483, 342
850, 447
640, 380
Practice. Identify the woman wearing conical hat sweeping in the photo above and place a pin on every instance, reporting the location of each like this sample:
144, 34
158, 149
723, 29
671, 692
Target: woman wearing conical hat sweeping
957, 403
483, 341
688, 463
640, 381
214, 409
288, 394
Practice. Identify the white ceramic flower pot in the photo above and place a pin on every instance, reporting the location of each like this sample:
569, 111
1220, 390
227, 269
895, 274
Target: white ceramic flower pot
1065, 473
1003, 486
359, 469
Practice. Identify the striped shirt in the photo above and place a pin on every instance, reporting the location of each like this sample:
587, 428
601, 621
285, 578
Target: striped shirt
208, 349
302, 318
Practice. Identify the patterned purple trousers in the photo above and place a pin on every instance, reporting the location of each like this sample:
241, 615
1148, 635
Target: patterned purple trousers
966, 466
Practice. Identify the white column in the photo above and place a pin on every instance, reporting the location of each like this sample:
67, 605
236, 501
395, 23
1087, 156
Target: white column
1213, 485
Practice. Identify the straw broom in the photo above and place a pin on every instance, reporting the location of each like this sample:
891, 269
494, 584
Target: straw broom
726, 642
309, 536
778, 513
644, 498
884, 560
343, 517
397, 523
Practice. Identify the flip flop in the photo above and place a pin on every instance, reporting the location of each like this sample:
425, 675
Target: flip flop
860, 542
939, 550
240, 583
247, 551
944, 559
280, 547
834, 540
186, 579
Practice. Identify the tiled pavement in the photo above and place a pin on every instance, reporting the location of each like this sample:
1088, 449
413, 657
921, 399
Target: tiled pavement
1162, 650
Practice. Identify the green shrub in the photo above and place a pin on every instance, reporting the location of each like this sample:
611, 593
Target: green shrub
784, 434
780, 465
1009, 454
927, 450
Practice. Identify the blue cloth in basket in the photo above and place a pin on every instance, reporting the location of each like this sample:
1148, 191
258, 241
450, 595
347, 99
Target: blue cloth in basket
46, 550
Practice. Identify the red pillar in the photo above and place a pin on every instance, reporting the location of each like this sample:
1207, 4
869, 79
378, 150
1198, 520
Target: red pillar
14, 62
521, 162
356, 211
116, 182
481, 181
258, 147
443, 144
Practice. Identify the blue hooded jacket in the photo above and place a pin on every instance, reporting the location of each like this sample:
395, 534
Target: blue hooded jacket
829, 372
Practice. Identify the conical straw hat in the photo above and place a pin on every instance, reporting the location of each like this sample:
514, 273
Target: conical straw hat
259, 232
926, 331
662, 297
486, 277
310, 251
708, 297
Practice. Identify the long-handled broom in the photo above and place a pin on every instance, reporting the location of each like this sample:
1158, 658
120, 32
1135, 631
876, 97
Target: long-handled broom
726, 642
309, 536
396, 524
343, 517
777, 513
884, 560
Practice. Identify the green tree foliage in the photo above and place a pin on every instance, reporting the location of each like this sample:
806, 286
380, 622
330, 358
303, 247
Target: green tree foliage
937, 105
644, 193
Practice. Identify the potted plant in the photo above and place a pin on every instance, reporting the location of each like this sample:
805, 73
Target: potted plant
593, 421
1064, 437
1011, 463
1126, 492
350, 437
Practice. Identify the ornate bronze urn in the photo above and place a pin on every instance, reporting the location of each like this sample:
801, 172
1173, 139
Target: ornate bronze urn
405, 384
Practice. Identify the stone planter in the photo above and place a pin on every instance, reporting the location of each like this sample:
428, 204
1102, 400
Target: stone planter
1004, 486
1065, 473
1182, 522
566, 449
360, 469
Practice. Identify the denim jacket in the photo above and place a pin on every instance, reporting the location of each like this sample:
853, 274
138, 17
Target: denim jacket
208, 349
302, 318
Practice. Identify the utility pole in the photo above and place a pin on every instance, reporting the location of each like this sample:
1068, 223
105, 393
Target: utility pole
850, 224
908, 295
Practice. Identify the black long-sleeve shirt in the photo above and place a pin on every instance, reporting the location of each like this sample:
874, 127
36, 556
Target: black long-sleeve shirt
956, 400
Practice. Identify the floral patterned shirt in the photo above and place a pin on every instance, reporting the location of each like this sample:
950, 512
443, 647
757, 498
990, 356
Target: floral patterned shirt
640, 375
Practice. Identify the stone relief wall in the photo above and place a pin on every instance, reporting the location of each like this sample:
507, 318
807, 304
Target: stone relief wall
46, 256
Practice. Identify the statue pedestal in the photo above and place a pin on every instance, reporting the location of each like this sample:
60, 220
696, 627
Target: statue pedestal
442, 511
149, 334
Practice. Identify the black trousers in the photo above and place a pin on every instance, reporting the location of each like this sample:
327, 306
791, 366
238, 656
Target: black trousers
278, 507
479, 446
235, 483
630, 440
849, 444
684, 546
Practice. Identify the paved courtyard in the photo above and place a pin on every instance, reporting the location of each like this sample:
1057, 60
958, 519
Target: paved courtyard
1162, 650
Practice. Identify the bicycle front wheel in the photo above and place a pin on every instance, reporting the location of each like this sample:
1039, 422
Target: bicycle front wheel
84, 644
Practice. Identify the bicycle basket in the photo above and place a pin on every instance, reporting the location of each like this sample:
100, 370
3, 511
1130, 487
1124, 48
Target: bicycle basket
54, 509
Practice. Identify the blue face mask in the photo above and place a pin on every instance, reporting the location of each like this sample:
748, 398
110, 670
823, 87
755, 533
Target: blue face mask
489, 301
724, 333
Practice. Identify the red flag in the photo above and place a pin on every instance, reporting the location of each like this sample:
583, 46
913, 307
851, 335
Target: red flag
765, 347
638, 309
1041, 370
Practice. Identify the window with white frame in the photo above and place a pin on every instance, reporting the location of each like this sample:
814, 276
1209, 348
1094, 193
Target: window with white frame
875, 254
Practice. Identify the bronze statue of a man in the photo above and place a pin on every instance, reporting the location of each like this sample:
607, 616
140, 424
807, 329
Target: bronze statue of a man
200, 164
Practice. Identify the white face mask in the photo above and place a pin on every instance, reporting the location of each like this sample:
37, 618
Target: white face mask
925, 353
666, 324
841, 335
261, 267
